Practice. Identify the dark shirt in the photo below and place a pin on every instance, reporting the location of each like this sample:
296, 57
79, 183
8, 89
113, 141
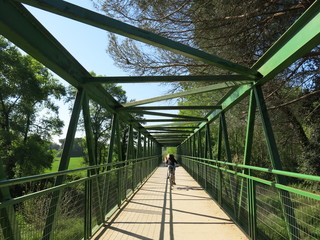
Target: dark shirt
171, 162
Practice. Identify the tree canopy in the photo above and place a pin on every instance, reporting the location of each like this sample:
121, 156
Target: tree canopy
28, 113
239, 31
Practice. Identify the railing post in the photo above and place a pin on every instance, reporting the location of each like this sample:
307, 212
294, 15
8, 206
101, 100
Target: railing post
252, 207
287, 206
88, 210
106, 183
218, 181
8, 219
139, 145
199, 152
208, 149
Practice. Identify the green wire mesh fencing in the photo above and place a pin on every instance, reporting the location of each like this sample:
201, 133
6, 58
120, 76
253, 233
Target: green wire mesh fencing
75, 209
261, 207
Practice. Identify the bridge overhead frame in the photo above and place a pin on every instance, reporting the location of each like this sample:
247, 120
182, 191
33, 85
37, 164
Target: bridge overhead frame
22, 28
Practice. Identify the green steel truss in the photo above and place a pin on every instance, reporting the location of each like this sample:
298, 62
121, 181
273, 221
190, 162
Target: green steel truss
191, 134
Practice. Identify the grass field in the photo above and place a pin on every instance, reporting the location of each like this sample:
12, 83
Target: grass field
75, 162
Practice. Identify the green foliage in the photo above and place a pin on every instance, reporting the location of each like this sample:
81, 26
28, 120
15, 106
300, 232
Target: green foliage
169, 150
240, 31
77, 148
310, 158
28, 155
28, 114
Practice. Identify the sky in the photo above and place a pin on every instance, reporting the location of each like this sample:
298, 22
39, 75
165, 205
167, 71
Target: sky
88, 45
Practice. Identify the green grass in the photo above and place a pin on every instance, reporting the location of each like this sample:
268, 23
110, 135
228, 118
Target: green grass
75, 162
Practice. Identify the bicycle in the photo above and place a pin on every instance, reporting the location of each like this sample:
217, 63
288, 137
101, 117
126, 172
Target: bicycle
170, 176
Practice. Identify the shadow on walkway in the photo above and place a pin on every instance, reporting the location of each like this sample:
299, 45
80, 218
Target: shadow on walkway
159, 212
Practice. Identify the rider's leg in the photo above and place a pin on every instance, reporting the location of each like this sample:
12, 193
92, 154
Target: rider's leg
174, 175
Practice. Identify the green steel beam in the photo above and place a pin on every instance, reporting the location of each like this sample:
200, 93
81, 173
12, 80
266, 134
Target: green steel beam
171, 115
208, 141
170, 134
246, 161
199, 148
189, 78
168, 120
129, 144
92, 162
169, 124
20, 27
287, 205
299, 39
88, 130
170, 137
138, 109
112, 137
168, 128
118, 140
169, 131
199, 90
101, 21
169, 140
64, 164
225, 137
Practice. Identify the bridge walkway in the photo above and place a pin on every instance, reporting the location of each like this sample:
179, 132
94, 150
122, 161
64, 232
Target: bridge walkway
157, 212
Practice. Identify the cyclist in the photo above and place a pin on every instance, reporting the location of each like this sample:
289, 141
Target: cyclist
172, 162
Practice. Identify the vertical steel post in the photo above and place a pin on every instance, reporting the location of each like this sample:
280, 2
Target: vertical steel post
208, 141
139, 145
92, 161
138, 155
229, 159
287, 206
208, 151
64, 164
87, 206
218, 181
8, 219
145, 146
128, 157
225, 136
199, 154
118, 142
112, 137
107, 177
252, 208
130, 141
246, 161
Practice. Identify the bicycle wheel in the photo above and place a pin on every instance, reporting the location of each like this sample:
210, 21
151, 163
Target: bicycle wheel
171, 178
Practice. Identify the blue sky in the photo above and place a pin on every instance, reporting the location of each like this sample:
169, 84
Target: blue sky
88, 45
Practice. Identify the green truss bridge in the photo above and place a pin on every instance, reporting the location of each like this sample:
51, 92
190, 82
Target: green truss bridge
257, 203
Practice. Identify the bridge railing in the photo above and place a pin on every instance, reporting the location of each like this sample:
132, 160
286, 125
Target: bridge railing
260, 206
87, 197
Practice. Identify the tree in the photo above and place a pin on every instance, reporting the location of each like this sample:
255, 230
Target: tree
240, 31
77, 148
28, 114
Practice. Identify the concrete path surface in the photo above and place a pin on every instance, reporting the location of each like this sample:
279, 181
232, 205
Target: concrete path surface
156, 212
